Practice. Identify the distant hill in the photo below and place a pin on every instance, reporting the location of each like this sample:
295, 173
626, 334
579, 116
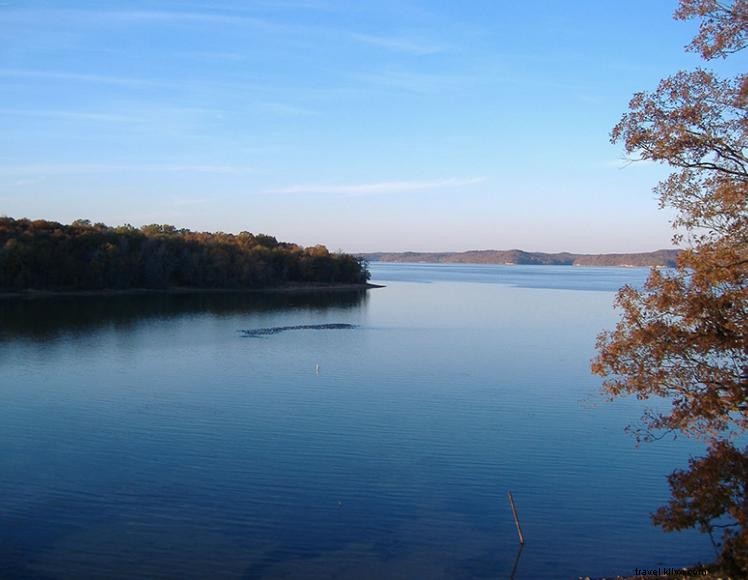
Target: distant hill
647, 259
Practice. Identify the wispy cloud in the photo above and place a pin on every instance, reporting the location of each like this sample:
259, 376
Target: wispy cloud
87, 17
380, 187
214, 55
88, 169
416, 82
285, 109
69, 115
398, 44
79, 77
322, 5
162, 16
176, 16
131, 117
297, 4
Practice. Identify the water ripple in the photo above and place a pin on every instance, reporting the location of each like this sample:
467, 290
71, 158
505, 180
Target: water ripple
278, 329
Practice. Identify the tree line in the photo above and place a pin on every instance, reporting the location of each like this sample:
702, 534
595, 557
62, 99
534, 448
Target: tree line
46, 255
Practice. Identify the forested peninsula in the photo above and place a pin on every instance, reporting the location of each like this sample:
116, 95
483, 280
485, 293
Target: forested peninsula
49, 256
659, 258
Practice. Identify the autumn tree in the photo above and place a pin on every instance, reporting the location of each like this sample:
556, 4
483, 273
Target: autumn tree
682, 337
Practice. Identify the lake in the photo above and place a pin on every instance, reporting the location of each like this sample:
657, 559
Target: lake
148, 436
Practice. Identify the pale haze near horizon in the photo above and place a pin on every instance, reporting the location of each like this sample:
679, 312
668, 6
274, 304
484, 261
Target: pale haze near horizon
375, 126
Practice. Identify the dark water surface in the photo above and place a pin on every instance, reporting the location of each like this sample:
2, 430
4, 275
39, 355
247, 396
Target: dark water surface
376, 436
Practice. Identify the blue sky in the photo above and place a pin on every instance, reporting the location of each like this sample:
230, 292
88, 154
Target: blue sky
383, 125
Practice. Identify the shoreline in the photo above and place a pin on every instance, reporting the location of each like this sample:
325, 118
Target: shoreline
434, 263
299, 288
707, 571
663, 258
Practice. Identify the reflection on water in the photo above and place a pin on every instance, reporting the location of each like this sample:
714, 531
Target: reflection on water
43, 317
144, 436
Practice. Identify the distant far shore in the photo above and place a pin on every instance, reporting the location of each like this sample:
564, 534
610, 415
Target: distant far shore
284, 289
658, 258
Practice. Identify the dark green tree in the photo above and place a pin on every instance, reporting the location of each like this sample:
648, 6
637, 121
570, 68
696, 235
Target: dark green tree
50, 256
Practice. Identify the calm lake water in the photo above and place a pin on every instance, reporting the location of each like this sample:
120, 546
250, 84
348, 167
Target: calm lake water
147, 436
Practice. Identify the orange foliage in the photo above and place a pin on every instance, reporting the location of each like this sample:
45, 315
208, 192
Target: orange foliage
683, 336
713, 487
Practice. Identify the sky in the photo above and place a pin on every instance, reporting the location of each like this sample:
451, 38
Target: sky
387, 125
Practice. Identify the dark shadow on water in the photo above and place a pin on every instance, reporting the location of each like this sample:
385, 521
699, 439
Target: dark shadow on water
254, 332
42, 318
